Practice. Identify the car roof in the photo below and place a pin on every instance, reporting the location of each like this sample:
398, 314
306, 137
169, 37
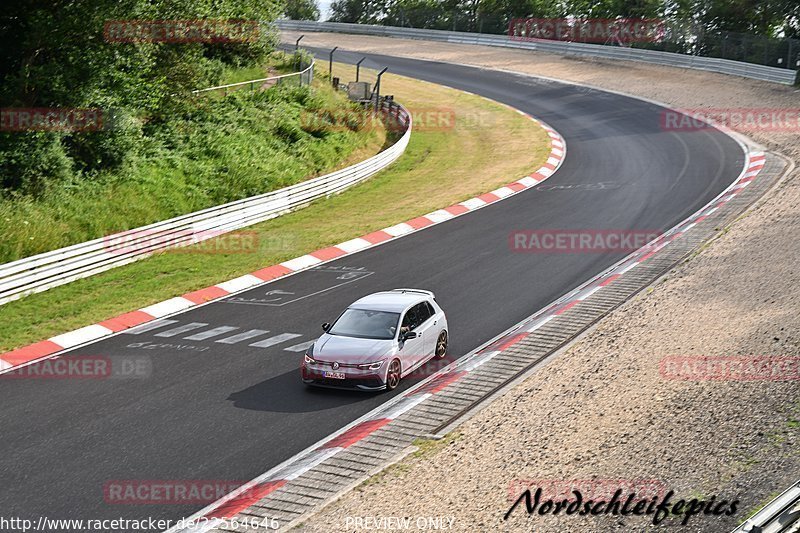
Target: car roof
395, 301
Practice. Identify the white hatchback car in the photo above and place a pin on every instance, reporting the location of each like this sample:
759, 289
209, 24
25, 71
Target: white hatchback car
378, 340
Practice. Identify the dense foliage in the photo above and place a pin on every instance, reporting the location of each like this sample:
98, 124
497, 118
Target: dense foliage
54, 54
301, 10
774, 18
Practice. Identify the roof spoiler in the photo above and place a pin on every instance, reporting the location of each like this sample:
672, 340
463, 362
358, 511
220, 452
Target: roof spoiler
420, 291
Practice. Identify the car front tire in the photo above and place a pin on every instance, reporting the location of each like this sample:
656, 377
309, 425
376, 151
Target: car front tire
393, 375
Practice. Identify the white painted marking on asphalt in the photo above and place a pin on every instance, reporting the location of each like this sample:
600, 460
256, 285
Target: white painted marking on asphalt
297, 469
557, 151
167, 307
299, 263
473, 203
553, 161
181, 329
240, 283
439, 216
557, 143
5, 364
79, 336
546, 172
711, 211
404, 405
303, 346
353, 245
277, 339
249, 334
488, 356
630, 266
155, 324
690, 226
528, 181
203, 335
399, 229
541, 323
594, 290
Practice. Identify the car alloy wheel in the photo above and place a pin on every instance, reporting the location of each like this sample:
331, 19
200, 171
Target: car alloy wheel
441, 345
393, 375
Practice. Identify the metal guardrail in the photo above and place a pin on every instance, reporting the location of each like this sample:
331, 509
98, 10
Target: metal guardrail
723, 66
305, 77
50, 269
781, 515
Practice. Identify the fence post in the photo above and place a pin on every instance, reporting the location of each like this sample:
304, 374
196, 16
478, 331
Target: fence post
358, 66
330, 63
296, 56
378, 87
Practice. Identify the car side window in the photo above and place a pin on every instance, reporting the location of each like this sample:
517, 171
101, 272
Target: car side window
430, 308
423, 312
409, 320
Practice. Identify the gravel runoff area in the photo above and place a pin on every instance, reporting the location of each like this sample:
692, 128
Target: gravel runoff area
601, 409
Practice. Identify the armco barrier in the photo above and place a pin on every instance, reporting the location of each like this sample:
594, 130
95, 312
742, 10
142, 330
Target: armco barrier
44, 271
723, 66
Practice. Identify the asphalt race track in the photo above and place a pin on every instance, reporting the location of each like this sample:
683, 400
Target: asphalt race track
216, 407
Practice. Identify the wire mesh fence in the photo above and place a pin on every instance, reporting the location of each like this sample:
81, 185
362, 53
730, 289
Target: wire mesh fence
303, 76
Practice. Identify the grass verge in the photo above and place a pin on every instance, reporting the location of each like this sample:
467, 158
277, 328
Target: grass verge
486, 146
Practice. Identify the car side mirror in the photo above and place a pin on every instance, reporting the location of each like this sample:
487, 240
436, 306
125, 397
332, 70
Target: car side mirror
409, 335
326, 326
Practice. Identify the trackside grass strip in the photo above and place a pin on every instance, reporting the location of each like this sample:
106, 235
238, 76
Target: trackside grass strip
484, 147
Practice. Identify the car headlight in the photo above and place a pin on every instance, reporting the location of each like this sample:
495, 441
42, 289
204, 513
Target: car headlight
371, 366
309, 360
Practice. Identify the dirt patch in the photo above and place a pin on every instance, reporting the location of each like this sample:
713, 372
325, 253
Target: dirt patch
602, 411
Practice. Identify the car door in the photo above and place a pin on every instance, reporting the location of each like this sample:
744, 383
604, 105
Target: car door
412, 349
426, 330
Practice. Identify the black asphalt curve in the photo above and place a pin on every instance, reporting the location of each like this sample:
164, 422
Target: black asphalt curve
213, 410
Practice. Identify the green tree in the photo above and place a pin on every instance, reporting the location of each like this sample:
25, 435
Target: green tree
55, 54
301, 10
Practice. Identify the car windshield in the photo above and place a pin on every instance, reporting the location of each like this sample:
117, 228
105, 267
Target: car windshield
366, 324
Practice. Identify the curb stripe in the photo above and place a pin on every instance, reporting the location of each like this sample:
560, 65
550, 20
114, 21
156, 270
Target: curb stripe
204, 295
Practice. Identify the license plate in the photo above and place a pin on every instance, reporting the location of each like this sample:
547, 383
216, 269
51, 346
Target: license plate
334, 375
